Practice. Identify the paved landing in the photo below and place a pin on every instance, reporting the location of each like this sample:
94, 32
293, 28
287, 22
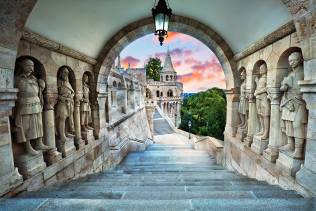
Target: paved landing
161, 126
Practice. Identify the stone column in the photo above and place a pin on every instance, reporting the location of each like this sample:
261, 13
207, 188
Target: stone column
232, 118
9, 175
51, 156
13, 15
252, 120
275, 137
307, 175
79, 143
100, 116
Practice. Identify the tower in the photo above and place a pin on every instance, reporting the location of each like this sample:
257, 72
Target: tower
168, 74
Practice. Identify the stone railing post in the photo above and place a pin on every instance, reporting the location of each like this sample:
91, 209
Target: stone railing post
51, 156
275, 137
150, 109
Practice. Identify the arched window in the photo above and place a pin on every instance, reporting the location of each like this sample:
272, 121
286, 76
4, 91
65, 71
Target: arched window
170, 93
167, 77
157, 93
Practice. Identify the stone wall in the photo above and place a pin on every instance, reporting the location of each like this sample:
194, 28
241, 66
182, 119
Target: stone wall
272, 157
96, 146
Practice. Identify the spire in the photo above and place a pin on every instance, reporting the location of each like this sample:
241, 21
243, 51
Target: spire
168, 67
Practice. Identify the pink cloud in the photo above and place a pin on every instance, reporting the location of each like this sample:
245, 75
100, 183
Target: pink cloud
129, 60
177, 63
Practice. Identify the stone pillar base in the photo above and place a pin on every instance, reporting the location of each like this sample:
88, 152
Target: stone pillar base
271, 154
79, 143
247, 141
288, 164
52, 156
10, 181
29, 165
241, 134
259, 145
67, 148
87, 136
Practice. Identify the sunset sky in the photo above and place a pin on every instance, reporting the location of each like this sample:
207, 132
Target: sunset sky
197, 66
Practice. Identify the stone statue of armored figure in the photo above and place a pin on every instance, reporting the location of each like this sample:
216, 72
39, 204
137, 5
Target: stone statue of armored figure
262, 103
243, 103
28, 109
293, 107
85, 109
65, 107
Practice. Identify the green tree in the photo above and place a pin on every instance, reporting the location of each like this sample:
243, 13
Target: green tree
207, 112
153, 68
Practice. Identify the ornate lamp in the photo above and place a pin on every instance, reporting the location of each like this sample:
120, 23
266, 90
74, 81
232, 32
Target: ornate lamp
162, 15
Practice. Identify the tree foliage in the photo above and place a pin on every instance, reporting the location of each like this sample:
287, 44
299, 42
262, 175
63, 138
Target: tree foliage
153, 68
207, 112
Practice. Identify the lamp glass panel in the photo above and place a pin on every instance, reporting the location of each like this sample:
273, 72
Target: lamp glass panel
159, 21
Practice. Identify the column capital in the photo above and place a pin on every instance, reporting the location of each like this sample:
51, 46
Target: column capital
78, 98
274, 94
50, 100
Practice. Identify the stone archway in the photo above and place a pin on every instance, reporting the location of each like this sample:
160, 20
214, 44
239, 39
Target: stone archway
180, 24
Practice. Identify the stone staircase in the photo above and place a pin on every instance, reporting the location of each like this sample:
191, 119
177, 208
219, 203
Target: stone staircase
165, 177
161, 126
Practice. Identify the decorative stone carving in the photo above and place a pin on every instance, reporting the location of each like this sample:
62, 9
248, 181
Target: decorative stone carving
263, 104
64, 112
243, 105
294, 114
29, 107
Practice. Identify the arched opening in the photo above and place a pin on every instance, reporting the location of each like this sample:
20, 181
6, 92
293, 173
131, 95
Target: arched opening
283, 64
178, 24
148, 93
22, 81
170, 93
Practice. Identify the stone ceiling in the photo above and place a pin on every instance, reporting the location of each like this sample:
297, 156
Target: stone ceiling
86, 26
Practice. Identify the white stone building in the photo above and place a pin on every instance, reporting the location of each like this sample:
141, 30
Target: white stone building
166, 93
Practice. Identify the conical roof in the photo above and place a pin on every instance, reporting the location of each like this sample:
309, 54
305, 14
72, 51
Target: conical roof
168, 67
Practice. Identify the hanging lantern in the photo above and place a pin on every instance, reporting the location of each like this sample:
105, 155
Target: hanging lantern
162, 15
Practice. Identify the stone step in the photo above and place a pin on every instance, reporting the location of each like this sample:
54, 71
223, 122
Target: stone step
223, 187
142, 168
165, 147
164, 183
201, 175
171, 153
167, 195
131, 205
158, 178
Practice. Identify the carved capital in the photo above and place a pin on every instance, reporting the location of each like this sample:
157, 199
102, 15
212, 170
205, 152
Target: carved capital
232, 94
50, 100
274, 94
297, 7
78, 98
